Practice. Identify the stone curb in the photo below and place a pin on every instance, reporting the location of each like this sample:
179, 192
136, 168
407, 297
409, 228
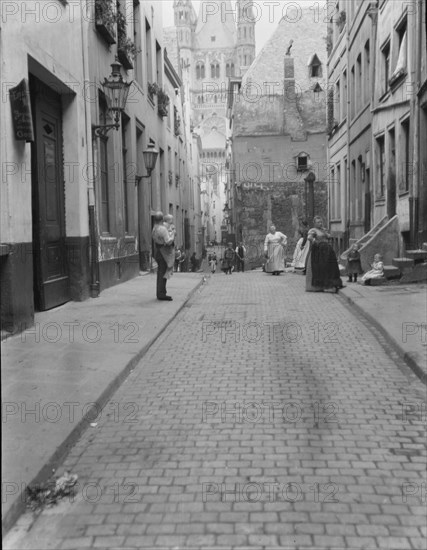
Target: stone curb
19, 507
404, 355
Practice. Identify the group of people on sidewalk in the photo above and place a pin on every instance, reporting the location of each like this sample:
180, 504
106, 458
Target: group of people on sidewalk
315, 257
233, 259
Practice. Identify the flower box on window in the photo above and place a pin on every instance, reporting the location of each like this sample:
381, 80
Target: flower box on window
126, 50
162, 110
125, 59
106, 32
162, 103
153, 89
106, 20
177, 124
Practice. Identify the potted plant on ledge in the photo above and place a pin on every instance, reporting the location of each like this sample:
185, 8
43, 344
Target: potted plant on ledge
126, 53
106, 20
162, 103
177, 124
153, 89
126, 50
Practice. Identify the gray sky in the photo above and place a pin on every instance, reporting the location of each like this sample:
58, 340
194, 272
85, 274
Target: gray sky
269, 13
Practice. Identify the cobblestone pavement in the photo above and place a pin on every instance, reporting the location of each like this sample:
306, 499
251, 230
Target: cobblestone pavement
263, 417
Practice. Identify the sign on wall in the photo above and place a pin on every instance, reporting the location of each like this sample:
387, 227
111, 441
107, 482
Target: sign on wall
21, 111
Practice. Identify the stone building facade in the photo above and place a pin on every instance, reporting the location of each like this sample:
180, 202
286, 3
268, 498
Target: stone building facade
76, 206
377, 124
277, 125
214, 45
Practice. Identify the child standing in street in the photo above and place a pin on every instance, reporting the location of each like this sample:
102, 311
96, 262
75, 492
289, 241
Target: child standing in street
212, 263
354, 267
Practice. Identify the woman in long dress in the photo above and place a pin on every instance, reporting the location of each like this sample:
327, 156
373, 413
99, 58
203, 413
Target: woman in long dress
301, 251
274, 251
322, 271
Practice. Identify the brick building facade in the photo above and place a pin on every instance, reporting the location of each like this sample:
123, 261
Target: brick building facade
277, 122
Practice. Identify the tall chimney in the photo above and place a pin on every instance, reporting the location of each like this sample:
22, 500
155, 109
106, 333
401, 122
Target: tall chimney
289, 78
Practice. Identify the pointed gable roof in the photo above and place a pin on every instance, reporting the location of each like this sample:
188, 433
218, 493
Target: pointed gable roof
216, 19
307, 44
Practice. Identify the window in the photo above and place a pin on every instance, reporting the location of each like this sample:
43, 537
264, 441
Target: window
385, 70
359, 83
137, 62
337, 102
103, 158
352, 92
148, 52
380, 167
392, 159
215, 70
162, 177
213, 38
200, 70
302, 162
344, 95
401, 54
406, 160
314, 67
338, 193
353, 185
359, 188
158, 64
367, 74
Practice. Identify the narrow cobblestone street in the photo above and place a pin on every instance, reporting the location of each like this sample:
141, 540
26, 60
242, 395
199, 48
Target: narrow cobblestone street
263, 417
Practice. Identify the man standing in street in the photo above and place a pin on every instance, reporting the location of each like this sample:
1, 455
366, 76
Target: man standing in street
162, 241
240, 257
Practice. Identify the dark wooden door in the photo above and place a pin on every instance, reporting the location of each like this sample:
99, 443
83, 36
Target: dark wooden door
51, 280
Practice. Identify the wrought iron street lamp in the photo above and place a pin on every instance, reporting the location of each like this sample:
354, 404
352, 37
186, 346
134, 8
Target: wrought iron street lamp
116, 92
150, 158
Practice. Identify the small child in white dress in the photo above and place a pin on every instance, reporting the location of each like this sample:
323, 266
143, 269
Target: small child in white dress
377, 271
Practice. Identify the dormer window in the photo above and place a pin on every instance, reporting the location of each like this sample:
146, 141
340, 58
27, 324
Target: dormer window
302, 162
213, 38
314, 67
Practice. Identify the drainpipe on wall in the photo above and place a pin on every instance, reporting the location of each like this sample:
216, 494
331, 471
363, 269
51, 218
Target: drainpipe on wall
347, 208
416, 114
93, 247
373, 14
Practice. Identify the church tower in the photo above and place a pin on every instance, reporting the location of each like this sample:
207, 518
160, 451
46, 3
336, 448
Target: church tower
184, 24
245, 48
